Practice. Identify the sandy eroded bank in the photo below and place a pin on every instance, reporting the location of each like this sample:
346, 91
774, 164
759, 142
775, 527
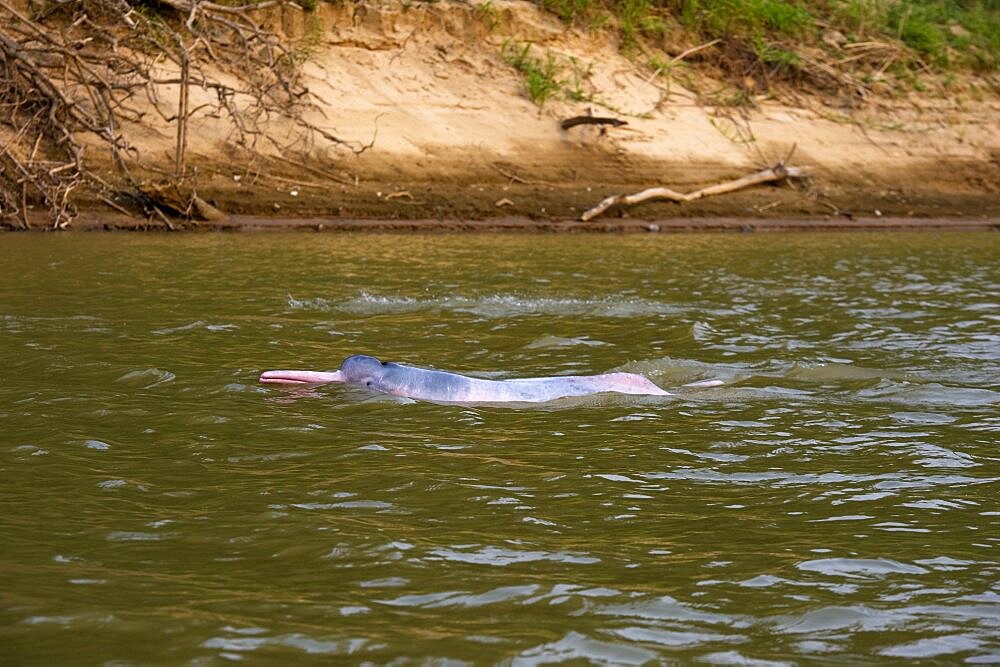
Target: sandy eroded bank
435, 124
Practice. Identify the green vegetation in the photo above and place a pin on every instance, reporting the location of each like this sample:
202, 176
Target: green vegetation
571, 11
575, 87
310, 42
634, 18
552, 77
637, 18
540, 76
776, 39
967, 33
488, 14
565, 77
742, 17
943, 33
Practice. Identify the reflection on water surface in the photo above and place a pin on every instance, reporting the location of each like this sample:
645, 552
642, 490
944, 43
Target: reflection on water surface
835, 498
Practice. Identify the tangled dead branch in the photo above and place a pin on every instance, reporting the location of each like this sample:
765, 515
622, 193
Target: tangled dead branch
78, 68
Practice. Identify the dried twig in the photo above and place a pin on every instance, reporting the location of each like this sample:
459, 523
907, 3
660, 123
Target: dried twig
690, 52
182, 112
514, 178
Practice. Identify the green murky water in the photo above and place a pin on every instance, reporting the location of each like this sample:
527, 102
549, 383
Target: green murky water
836, 499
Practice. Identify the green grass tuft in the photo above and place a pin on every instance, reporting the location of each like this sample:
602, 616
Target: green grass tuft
540, 76
782, 60
744, 18
637, 18
488, 14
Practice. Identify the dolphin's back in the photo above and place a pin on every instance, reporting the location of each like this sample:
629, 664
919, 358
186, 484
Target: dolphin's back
422, 383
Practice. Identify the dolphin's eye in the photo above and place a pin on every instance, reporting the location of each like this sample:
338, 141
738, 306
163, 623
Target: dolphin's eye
368, 383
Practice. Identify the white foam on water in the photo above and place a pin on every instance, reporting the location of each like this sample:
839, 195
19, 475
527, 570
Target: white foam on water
490, 306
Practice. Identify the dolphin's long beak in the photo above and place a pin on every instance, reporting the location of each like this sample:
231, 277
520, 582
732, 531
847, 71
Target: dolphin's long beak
300, 377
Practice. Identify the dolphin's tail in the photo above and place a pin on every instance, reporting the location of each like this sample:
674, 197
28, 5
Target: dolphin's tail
628, 383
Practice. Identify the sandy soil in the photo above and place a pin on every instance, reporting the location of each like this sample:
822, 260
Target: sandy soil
453, 135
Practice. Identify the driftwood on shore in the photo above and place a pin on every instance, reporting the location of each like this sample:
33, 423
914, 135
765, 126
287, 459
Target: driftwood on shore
591, 120
778, 172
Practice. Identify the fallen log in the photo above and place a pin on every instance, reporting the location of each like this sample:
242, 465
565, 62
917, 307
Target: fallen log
774, 174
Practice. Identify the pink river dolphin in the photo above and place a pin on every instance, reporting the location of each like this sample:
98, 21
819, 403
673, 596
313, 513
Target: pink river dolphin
430, 385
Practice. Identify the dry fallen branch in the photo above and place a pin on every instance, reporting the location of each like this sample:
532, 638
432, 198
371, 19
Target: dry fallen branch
690, 52
774, 174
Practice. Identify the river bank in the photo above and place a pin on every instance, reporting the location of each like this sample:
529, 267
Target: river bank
99, 221
425, 115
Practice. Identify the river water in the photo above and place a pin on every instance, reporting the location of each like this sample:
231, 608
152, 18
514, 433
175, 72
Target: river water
836, 499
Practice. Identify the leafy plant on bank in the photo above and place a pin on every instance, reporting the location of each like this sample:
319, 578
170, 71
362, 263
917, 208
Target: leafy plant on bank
540, 75
762, 40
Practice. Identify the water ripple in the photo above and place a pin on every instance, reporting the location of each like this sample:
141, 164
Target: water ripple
501, 556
